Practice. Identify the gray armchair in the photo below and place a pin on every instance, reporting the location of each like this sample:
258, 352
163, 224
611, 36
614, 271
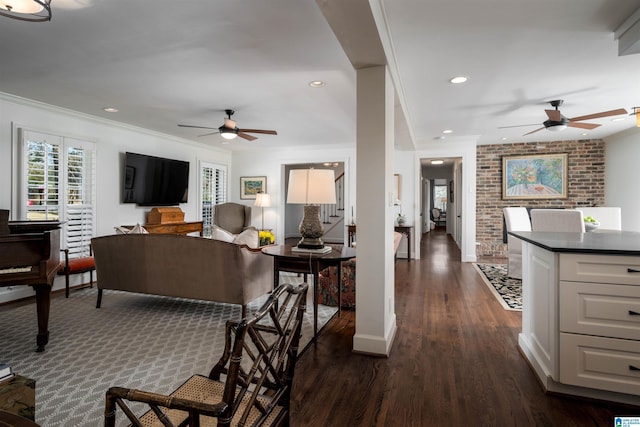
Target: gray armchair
233, 217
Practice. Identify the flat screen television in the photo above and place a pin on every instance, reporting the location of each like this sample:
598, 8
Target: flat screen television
154, 181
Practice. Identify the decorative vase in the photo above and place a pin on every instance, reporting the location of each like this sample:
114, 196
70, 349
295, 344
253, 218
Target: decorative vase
401, 219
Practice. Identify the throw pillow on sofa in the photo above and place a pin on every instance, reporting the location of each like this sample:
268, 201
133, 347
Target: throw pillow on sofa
137, 229
249, 236
218, 233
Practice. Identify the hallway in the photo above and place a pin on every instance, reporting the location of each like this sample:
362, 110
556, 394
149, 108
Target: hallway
454, 360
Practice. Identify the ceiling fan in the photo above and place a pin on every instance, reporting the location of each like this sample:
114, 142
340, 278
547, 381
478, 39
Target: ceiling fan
229, 130
558, 122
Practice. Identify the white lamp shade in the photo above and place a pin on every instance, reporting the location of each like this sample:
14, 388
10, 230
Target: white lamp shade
311, 186
263, 200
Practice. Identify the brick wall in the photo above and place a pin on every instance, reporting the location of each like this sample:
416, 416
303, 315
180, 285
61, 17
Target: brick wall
585, 181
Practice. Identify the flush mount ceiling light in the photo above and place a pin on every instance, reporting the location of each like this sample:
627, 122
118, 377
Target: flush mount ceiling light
437, 162
26, 10
317, 83
458, 79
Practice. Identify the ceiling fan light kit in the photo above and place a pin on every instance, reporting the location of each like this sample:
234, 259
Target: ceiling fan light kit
227, 133
26, 10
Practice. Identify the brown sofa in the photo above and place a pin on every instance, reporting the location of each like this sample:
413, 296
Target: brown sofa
182, 266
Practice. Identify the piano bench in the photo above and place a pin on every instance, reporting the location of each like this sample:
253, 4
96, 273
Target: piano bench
76, 266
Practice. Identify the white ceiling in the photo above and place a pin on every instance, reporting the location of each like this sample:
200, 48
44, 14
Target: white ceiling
162, 63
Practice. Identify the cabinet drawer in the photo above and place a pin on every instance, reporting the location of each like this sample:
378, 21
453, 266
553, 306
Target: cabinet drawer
623, 270
604, 310
600, 363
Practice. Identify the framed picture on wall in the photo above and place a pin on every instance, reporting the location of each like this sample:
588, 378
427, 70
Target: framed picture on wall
534, 176
397, 182
250, 186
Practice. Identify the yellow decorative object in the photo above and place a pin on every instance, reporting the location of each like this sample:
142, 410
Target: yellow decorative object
266, 237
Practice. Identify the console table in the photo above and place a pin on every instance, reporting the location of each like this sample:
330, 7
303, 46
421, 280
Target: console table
284, 259
406, 230
175, 228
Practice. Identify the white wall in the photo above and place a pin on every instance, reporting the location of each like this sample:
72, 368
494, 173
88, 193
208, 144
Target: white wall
112, 140
621, 176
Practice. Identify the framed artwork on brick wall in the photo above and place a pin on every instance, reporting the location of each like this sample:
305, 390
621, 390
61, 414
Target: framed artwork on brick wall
534, 176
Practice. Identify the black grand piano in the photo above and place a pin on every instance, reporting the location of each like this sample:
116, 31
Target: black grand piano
30, 255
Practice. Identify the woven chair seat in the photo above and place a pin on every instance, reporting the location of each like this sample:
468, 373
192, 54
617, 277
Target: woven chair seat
202, 389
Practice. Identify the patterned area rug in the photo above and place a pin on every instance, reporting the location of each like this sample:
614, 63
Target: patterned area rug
508, 291
138, 341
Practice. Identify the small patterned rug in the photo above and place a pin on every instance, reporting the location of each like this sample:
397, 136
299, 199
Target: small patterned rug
508, 291
139, 341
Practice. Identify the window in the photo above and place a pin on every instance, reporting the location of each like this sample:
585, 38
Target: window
440, 197
58, 183
213, 191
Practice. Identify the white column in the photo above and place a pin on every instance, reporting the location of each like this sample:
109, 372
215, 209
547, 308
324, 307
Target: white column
375, 311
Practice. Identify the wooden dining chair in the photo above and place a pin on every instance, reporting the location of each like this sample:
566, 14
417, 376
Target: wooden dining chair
82, 264
249, 386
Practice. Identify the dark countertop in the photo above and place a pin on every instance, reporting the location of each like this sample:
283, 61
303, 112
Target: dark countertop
598, 242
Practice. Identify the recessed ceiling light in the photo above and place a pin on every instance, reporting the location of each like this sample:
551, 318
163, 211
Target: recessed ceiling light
110, 109
437, 162
317, 83
438, 137
447, 131
618, 119
584, 134
458, 79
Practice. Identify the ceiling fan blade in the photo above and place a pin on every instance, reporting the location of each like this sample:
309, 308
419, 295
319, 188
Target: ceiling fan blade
533, 131
246, 136
518, 126
268, 132
554, 115
598, 115
207, 134
583, 125
197, 127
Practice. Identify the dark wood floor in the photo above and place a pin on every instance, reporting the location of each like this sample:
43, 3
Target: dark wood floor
454, 361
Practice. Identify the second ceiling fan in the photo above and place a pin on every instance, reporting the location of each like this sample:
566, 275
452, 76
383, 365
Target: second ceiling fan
557, 122
229, 130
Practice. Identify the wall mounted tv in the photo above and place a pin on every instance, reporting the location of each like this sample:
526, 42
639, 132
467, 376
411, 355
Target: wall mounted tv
154, 181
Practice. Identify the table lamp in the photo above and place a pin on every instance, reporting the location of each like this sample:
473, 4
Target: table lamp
311, 187
263, 200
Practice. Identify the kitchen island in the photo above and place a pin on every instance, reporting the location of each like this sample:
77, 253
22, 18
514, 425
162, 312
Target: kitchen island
581, 312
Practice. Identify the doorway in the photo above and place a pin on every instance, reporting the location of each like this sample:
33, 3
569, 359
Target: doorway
332, 216
440, 178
